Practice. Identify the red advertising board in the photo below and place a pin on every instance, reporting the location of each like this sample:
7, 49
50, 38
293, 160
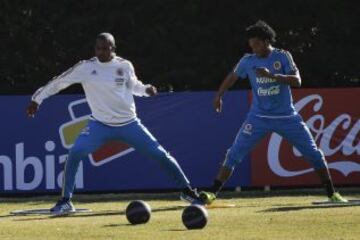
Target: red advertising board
333, 117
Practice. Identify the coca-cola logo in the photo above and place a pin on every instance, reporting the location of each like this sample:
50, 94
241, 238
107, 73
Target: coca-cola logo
346, 147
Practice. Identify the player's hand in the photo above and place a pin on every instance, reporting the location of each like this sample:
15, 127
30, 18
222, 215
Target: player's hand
32, 109
217, 103
151, 91
263, 72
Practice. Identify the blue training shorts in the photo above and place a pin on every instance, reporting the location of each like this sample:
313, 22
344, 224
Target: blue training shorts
293, 129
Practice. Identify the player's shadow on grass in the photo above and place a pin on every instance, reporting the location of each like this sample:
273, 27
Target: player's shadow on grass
299, 208
179, 230
91, 198
103, 213
119, 225
139, 225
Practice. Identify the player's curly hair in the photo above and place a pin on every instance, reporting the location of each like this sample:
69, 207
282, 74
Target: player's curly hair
262, 31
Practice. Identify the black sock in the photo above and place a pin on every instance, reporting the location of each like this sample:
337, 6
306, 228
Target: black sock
329, 187
217, 186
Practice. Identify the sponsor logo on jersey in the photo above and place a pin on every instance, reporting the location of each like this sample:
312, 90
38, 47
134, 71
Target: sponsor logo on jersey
119, 81
264, 80
271, 91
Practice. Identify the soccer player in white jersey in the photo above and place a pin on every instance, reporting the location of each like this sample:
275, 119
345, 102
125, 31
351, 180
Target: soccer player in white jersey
109, 83
271, 73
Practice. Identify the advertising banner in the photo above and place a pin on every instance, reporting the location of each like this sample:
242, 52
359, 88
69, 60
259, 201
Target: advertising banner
333, 117
33, 151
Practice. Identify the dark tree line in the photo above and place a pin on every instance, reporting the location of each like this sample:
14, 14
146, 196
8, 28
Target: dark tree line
179, 44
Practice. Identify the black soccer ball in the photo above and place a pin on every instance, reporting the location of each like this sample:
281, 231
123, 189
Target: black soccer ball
195, 217
138, 212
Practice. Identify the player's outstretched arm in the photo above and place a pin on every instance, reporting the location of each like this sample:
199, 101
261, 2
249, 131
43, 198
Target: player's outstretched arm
225, 85
67, 78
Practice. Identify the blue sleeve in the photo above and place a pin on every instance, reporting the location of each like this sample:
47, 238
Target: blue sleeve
289, 64
240, 68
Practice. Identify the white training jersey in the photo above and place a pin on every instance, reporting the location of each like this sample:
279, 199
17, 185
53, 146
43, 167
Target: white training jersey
109, 88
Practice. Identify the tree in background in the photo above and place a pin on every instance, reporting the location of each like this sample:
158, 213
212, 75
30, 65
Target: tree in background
175, 44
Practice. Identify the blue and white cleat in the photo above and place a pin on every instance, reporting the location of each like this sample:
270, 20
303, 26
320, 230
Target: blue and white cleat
63, 207
191, 196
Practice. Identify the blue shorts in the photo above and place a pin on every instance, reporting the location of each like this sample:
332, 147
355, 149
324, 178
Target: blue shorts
293, 129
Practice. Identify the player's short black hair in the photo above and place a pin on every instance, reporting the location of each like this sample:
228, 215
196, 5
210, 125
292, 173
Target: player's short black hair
261, 30
107, 37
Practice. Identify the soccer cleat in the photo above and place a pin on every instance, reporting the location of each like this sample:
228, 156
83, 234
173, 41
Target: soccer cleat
63, 207
207, 197
191, 196
337, 198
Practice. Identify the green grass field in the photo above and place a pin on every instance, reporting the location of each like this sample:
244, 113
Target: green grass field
257, 215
